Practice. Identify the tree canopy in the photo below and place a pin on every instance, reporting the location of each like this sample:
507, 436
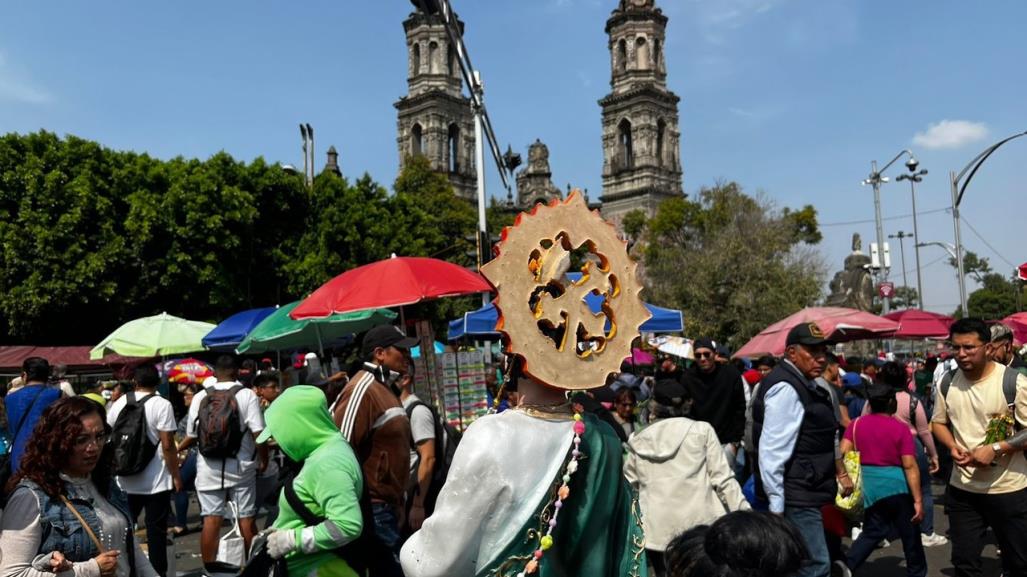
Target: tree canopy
93, 237
734, 263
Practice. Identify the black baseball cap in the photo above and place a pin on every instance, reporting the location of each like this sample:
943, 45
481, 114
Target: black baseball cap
386, 336
808, 334
704, 344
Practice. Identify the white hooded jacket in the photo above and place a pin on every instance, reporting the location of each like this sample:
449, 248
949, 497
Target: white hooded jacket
682, 477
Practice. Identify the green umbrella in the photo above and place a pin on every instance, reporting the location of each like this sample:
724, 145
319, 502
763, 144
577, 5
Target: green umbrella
154, 336
279, 331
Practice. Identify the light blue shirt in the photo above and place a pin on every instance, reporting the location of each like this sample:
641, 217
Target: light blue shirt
782, 418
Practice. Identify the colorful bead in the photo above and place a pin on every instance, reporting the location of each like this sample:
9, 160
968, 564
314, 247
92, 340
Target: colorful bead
572, 467
538, 553
579, 428
576, 453
531, 567
564, 492
577, 416
547, 542
558, 504
552, 523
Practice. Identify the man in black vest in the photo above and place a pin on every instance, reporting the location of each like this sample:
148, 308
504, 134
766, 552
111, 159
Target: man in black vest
794, 433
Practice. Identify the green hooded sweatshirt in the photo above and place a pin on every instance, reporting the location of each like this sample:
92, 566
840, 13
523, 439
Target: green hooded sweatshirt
329, 484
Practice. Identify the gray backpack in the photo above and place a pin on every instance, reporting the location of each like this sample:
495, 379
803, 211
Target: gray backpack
1009, 377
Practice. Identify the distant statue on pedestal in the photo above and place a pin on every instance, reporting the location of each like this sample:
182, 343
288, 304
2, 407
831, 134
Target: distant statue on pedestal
853, 286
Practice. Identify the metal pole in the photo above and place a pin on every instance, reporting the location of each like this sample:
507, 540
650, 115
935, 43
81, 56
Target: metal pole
902, 235
958, 243
881, 272
479, 159
916, 249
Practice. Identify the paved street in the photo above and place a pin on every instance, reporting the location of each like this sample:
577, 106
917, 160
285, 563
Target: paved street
886, 562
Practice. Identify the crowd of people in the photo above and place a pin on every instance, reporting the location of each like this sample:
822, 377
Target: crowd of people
705, 466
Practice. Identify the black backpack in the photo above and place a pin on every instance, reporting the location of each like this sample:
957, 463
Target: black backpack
133, 449
219, 427
447, 437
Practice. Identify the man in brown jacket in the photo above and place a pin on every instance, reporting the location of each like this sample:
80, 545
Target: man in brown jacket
372, 419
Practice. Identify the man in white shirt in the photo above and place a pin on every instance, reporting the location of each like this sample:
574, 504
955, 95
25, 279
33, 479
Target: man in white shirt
422, 453
150, 489
235, 478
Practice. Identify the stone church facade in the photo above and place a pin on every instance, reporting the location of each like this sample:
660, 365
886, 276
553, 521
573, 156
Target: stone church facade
641, 136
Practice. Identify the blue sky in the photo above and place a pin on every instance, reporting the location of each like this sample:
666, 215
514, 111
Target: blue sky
791, 98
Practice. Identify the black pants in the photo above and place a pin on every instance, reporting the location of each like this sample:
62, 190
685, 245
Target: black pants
970, 514
879, 520
158, 509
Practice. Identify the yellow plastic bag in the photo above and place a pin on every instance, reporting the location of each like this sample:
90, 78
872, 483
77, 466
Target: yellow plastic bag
851, 506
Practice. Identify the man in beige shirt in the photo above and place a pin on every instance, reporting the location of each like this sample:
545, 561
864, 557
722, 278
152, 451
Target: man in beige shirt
988, 487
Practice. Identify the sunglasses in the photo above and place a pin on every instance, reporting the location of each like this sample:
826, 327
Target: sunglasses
704, 355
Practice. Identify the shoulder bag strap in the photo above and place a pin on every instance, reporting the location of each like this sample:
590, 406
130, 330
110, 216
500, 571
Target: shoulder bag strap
856, 446
21, 420
1009, 377
85, 525
298, 506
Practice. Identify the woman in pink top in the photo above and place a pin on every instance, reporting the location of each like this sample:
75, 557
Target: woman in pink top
891, 481
910, 410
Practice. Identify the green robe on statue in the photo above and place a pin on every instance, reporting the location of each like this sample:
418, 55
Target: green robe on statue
499, 497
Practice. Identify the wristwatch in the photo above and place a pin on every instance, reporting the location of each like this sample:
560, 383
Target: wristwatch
997, 448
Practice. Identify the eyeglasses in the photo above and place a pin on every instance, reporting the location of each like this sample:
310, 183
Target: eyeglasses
83, 441
704, 355
968, 349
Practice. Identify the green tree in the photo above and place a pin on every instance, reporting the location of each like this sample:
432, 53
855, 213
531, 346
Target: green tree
973, 265
995, 299
733, 263
347, 226
905, 298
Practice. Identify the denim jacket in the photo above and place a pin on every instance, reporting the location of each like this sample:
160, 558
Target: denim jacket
62, 531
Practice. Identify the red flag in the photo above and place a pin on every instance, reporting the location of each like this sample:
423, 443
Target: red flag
1022, 272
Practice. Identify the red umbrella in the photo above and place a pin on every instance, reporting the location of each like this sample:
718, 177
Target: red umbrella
918, 324
1017, 322
840, 324
392, 282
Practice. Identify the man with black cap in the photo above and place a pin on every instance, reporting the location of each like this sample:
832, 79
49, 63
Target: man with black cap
794, 429
372, 419
718, 397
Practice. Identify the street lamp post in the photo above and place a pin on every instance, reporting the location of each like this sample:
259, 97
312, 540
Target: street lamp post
902, 251
913, 178
875, 179
957, 197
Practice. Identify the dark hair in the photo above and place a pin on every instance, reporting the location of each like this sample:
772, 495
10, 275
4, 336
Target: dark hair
869, 362
767, 361
225, 364
627, 392
739, 544
892, 374
832, 359
266, 378
971, 325
53, 440
36, 369
881, 398
146, 376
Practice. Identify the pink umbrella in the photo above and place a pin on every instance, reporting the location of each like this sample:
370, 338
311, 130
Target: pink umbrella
840, 324
918, 324
1017, 322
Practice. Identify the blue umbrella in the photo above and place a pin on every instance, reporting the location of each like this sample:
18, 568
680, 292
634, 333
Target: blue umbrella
234, 329
415, 352
482, 322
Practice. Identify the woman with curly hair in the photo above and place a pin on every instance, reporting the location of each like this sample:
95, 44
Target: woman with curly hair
65, 514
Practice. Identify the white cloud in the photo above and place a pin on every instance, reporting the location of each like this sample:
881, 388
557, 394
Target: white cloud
14, 88
718, 19
951, 134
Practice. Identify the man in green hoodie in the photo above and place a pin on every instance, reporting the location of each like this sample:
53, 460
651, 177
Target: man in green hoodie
329, 484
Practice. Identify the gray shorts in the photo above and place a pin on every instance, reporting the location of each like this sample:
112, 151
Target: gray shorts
244, 495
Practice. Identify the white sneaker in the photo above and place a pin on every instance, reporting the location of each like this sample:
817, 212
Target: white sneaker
855, 533
840, 569
933, 540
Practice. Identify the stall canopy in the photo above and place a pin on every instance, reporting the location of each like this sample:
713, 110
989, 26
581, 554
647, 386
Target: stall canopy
232, 331
482, 322
75, 358
918, 324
